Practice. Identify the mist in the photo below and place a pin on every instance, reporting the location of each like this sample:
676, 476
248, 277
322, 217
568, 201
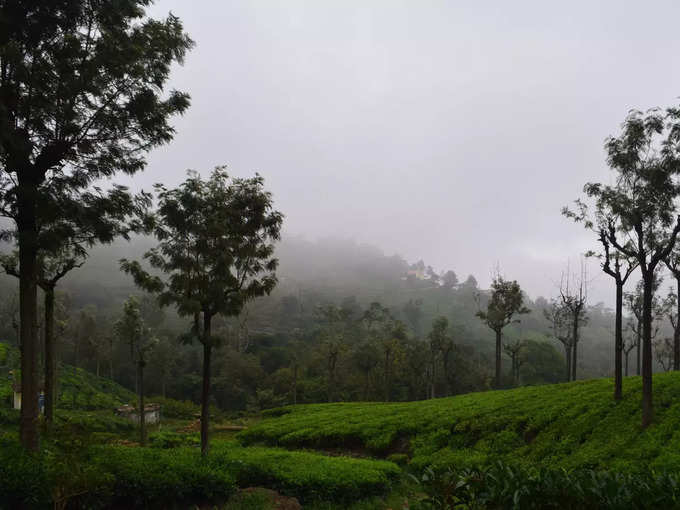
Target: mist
450, 133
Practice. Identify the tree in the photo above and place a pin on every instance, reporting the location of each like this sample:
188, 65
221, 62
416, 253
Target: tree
449, 280
646, 159
663, 352
574, 301
81, 98
52, 268
333, 342
634, 303
215, 245
413, 312
131, 329
613, 263
438, 339
387, 332
628, 345
559, 318
505, 303
516, 351
672, 305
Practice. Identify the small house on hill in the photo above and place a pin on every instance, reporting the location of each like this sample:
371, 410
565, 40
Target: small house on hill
152, 413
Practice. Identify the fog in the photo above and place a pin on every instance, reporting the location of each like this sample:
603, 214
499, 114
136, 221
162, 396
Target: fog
446, 131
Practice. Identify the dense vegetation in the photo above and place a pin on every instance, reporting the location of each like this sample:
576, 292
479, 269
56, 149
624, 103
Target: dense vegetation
571, 425
227, 318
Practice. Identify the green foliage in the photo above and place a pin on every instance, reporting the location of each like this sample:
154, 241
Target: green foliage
161, 478
506, 301
503, 486
171, 408
574, 425
87, 391
23, 479
305, 475
169, 439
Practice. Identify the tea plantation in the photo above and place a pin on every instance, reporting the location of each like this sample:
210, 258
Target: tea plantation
558, 446
572, 425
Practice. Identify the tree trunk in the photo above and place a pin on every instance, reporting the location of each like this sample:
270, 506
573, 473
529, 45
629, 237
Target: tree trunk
647, 404
205, 397
639, 346
295, 377
498, 359
142, 414
567, 352
28, 315
618, 342
676, 332
50, 360
433, 379
575, 348
387, 376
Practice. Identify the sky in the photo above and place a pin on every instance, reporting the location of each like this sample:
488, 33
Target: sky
448, 131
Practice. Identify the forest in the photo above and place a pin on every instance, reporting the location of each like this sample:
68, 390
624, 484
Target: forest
175, 346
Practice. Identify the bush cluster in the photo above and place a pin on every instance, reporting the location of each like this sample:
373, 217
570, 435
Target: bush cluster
501, 486
572, 425
91, 476
305, 475
109, 476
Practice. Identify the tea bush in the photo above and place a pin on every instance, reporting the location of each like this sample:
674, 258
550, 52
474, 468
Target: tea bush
571, 425
161, 478
502, 486
305, 475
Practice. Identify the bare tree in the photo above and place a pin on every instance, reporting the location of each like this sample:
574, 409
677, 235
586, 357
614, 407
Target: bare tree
574, 295
558, 316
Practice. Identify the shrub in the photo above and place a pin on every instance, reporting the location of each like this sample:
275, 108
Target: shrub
503, 486
305, 475
168, 439
161, 478
23, 479
171, 408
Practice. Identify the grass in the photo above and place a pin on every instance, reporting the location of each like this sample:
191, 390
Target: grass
572, 425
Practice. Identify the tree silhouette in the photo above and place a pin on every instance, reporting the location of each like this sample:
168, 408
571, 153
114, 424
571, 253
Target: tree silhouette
215, 247
81, 98
505, 303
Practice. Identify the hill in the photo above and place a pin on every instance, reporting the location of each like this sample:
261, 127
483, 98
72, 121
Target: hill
571, 425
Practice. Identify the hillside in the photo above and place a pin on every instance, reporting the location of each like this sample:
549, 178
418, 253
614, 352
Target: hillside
571, 425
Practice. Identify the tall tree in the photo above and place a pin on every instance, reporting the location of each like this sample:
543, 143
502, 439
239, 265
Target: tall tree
438, 338
131, 329
559, 318
215, 245
574, 295
614, 264
634, 302
646, 159
387, 332
81, 98
672, 305
52, 268
333, 341
505, 303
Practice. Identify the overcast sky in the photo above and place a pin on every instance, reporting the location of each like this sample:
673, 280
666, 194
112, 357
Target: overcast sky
444, 130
